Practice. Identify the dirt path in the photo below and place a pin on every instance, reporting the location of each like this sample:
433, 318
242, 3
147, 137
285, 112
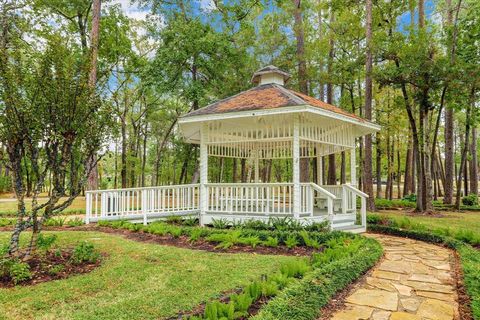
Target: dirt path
415, 281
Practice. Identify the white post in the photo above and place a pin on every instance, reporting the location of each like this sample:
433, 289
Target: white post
319, 170
257, 172
296, 168
144, 206
88, 211
353, 167
203, 172
363, 212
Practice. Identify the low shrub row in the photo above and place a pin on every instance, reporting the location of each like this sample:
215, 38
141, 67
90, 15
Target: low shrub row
469, 256
343, 261
467, 236
469, 203
226, 238
307, 284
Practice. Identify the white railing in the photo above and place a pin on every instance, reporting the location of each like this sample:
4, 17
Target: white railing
140, 202
267, 199
250, 198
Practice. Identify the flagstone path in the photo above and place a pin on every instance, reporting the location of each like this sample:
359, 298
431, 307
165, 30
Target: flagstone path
414, 281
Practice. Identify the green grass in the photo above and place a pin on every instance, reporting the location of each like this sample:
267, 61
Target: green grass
136, 281
453, 222
8, 206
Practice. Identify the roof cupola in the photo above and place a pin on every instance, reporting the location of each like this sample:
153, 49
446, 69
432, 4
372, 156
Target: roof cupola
270, 74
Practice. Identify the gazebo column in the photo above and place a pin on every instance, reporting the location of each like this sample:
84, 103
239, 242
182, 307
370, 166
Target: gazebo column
319, 170
353, 167
203, 203
296, 168
257, 166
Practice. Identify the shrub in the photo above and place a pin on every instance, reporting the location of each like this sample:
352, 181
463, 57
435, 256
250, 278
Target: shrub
291, 241
271, 242
319, 227
195, 235
295, 269
190, 221
309, 242
76, 222
225, 240
55, 222
85, 252
470, 200
251, 241
19, 272
54, 270
220, 223
411, 197
45, 242
174, 219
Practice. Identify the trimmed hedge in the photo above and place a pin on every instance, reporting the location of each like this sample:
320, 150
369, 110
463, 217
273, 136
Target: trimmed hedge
305, 298
469, 257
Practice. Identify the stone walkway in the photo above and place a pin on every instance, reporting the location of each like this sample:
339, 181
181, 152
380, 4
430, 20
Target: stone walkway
415, 281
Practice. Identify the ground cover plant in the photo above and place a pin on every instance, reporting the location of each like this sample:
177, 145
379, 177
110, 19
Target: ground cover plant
48, 262
136, 281
226, 238
469, 256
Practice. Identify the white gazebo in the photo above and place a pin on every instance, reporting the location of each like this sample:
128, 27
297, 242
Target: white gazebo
267, 121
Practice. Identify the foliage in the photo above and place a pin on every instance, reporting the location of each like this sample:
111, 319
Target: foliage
46, 242
85, 252
19, 272
470, 200
305, 298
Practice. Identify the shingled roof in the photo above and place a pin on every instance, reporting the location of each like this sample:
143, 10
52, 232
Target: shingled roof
267, 96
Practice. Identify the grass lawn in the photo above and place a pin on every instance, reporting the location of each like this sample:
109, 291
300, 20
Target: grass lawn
8, 205
137, 281
456, 221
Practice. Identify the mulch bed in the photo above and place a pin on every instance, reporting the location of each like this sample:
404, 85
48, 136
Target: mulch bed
41, 266
184, 242
464, 301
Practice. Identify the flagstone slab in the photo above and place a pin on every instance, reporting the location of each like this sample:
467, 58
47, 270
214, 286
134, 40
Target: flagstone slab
404, 316
381, 315
403, 290
410, 304
374, 298
436, 310
396, 266
426, 286
354, 313
450, 297
386, 275
381, 284
424, 278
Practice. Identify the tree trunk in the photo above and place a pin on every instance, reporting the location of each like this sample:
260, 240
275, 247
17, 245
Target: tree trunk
92, 182
379, 165
367, 161
474, 164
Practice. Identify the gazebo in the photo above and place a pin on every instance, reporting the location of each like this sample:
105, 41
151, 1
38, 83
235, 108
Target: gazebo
267, 121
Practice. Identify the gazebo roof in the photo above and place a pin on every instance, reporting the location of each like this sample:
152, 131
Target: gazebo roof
268, 96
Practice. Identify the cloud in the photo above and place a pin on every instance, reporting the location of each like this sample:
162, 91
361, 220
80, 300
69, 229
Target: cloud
132, 11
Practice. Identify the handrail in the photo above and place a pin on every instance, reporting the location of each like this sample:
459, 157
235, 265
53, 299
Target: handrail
144, 188
356, 191
317, 188
249, 184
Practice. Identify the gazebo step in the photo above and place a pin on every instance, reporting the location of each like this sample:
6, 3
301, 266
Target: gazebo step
343, 223
352, 229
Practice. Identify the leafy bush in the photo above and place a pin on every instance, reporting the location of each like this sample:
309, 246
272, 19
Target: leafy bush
470, 200
411, 197
85, 252
55, 222
220, 223
76, 222
271, 242
309, 242
19, 272
56, 269
190, 221
174, 219
46, 242
295, 269
225, 240
291, 241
